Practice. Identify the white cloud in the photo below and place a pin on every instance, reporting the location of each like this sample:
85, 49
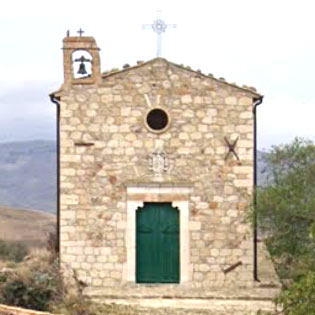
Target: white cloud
282, 118
26, 112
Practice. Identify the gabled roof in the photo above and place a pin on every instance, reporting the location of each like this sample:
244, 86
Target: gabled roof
140, 64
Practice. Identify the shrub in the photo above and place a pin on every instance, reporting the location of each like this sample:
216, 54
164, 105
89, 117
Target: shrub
34, 295
35, 284
299, 298
12, 251
77, 303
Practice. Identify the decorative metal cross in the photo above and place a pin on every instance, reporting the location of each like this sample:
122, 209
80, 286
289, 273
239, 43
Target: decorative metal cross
80, 32
159, 27
231, 147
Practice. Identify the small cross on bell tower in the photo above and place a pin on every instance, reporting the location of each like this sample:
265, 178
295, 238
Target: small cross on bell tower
80, 32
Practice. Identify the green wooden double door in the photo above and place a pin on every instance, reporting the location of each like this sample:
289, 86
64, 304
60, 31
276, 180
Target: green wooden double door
157, 244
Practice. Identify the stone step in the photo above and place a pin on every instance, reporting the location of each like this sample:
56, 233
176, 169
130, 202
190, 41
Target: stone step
170, 292
195, 306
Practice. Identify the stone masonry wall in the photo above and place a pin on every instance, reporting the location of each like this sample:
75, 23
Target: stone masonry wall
104, 143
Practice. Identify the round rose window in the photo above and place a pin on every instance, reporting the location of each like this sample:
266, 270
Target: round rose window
157, 120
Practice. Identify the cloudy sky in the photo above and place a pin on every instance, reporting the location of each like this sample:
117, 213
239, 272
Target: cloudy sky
268, 44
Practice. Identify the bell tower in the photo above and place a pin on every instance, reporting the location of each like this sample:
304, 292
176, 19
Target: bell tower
81, 60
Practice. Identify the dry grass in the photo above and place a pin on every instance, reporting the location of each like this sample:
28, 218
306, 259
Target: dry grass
28, 227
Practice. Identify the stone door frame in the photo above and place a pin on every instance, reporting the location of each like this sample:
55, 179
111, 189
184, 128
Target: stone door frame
179, 197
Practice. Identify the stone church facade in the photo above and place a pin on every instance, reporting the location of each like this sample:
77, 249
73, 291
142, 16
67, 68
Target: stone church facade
155, 175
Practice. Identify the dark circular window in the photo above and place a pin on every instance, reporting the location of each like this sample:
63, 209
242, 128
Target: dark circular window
157, 119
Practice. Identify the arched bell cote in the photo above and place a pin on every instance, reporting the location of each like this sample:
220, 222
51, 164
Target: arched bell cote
81, 61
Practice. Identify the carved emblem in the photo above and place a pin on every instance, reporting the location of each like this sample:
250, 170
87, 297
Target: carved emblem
158, 162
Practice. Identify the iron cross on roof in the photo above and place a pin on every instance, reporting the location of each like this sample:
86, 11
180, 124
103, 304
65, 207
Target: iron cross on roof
159, 27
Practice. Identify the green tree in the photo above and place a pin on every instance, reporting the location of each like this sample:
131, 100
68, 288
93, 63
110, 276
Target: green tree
286, 217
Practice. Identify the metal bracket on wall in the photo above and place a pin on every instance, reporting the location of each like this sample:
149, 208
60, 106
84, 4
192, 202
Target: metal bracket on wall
229, 269
231, 147
84, 144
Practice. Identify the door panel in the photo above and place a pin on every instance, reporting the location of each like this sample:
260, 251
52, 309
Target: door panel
147, 258
157, 244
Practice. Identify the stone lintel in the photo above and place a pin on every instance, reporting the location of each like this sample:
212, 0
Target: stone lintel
157, 197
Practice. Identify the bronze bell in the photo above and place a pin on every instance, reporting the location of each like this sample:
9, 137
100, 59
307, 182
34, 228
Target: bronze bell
82, 69
82, 60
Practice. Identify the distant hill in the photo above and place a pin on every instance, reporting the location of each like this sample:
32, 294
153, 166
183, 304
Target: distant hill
263, 175
28, 174
29, 227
